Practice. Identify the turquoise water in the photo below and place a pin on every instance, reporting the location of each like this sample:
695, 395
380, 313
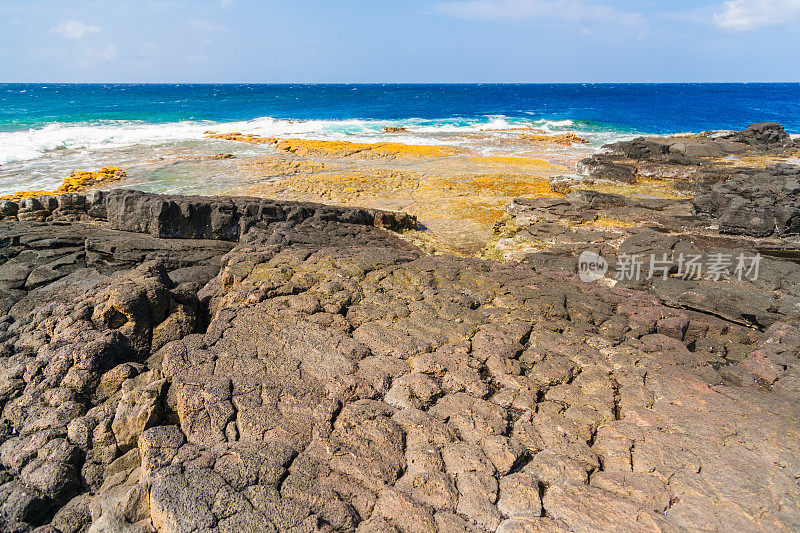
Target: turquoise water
655, 108
47, 130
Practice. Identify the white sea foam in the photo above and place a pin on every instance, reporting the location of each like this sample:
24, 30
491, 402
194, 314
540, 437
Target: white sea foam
30, 144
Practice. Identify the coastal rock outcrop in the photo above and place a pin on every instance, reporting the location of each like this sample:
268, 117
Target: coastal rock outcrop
78, 181
562, 139
761, 204
188, 217
324, 375
344, 149
754, 284
707, 156
721, 250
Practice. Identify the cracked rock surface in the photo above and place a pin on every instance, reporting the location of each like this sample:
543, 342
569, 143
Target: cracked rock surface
323, 375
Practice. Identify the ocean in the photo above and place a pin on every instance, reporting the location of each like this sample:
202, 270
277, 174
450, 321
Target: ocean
49, 130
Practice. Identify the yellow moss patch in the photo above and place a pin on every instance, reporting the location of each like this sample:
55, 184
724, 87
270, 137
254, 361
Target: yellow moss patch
644, 186
499, 185
278, 166
81, 180
483, 211
303, 147
25, 194
519, 162
606, 222
513, 248
429, 243
752, 161
562, 139
346, 188
240, 137
314, 148
77, 182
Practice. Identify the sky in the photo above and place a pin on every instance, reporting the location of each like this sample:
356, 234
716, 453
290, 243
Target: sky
406, 41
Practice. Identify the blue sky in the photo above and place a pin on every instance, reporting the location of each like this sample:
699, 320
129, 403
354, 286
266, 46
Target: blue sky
399, 41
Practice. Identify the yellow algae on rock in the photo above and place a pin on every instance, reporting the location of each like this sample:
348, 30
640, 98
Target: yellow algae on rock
82, 180
316, 148
307, 148
562, 139
524, 163
498, 185
343, 188
511, 160
393, 129
483, 211
607, 222
652, 187
77, 182
241, 137
279, 166
25, 194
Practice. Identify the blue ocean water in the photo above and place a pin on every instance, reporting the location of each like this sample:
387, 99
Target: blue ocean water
50, 130
645, 108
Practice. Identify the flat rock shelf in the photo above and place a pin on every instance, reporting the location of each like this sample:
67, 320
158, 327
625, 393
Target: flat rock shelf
233, 364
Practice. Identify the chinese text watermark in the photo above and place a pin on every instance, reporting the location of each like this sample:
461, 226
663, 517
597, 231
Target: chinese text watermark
715, 266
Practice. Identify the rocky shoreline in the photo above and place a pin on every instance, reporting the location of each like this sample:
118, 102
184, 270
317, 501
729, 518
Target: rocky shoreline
236, 364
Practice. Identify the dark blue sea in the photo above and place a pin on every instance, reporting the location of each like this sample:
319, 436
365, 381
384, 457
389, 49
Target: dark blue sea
49, 129
645, 108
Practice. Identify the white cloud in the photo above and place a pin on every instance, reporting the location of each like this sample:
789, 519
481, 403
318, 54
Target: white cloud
743, 15
106, 54
204, 26
74, 29
585, 13
90, 56
226, 3
197, 59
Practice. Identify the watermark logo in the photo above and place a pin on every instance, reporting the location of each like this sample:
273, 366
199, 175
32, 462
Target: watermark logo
692, 267
591, 267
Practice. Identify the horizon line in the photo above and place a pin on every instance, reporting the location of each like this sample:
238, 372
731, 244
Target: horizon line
402, 83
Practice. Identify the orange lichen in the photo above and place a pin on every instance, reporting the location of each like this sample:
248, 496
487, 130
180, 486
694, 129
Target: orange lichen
315, 148
485, 212
25, 194
279, 166
562, 139
607, 222
644, 186
520, 162
77, 182
752, 160
343, 188
82, 180
497, 185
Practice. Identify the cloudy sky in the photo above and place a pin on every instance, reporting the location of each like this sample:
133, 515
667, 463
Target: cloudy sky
399, 41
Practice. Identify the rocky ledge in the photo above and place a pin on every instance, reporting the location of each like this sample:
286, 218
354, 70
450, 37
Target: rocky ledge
709, 156
206, 364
